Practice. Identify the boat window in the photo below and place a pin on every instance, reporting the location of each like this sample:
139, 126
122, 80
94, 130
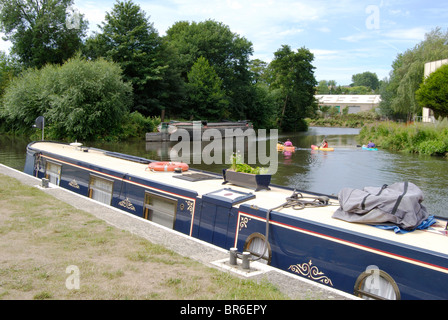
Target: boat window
100, 189
53, 172
160, 209
256, 245
375, 284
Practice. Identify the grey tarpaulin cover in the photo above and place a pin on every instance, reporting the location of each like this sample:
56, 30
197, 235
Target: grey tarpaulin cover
399, 204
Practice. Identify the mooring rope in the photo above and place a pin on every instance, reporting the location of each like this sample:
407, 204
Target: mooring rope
296, 202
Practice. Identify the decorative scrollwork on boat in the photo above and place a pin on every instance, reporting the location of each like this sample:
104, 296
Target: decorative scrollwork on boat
310, 271
243, 222
74, 184
127, 204
190, 206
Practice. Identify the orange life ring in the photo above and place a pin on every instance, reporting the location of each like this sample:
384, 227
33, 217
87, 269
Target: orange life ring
167, 166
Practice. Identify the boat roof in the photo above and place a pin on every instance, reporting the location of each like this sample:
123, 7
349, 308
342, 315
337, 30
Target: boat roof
432, 239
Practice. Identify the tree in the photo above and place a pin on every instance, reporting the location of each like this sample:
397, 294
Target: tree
206, 98
262, 111
328, 87
80, 100
128, 38
386, 91
322, 88
226, 52
433, 93
359, 90
23, 101
366, 79
407, 75
9, 68
293, 75
332, 86
258, 69
40, 32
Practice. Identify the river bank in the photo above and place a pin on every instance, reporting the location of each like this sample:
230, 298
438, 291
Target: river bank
422, 138
46, 231
354, 120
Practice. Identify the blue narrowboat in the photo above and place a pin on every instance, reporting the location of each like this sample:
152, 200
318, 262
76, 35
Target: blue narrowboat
303, 238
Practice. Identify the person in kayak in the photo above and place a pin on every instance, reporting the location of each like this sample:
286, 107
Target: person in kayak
324, 144
370, 145
288, 143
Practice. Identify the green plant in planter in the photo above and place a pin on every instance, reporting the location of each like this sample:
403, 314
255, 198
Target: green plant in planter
239, 166
244, 175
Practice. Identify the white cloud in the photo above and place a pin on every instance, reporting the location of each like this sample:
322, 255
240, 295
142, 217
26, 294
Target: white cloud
342, 75
324, 29
233, 4
415, 34
325, 54
94, 12
5, 46
356, 37
290, 32
256, 13
399, 12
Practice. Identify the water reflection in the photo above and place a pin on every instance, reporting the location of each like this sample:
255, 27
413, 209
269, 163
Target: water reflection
323, 172
13, 151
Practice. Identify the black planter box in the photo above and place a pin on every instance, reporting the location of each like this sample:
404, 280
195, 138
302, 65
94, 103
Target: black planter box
248, 180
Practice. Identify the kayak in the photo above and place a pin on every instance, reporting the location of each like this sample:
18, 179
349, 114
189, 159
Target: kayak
313, 147
370, 149
281, 147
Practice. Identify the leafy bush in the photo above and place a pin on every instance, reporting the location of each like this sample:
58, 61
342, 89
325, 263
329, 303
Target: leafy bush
135, 125
432, 147
416, 138
80, 100
433, 92
354, 120
23, 101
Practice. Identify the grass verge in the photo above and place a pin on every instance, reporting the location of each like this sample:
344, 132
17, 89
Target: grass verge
421, 138
50, 250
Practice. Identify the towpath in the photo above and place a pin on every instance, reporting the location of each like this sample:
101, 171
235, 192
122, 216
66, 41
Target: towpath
293, 286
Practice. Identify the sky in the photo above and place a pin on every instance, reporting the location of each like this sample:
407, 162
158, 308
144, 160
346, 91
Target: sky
347, 37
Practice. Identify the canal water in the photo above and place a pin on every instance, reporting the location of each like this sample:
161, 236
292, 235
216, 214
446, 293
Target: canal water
317, 171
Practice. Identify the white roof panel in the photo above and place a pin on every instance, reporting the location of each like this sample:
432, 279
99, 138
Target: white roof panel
360, 99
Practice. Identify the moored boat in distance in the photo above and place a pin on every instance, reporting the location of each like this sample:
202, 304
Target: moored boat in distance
290, 230
195, 129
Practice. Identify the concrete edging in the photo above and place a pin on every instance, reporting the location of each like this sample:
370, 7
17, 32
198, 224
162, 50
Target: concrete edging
295, 287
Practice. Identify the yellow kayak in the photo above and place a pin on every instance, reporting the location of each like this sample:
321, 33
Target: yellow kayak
313, 147
281, 147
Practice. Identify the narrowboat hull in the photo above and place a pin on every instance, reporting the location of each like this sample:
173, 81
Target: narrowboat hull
307, 242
